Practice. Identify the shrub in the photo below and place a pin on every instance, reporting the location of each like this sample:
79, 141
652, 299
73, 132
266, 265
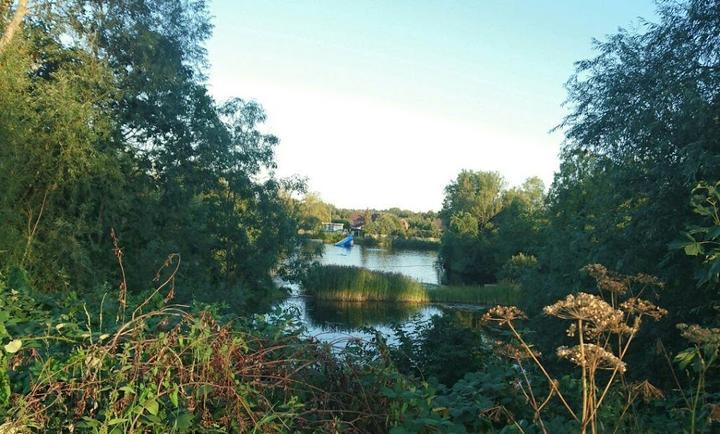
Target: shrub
517, 268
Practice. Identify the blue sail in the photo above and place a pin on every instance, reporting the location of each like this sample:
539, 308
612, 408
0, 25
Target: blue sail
345, 242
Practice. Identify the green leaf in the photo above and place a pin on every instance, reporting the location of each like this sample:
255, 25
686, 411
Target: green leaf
693, 249
13, 346
684, 358
174, 398
151, 406
184, 422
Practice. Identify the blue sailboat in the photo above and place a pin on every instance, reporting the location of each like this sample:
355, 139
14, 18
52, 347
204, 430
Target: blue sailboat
345, 242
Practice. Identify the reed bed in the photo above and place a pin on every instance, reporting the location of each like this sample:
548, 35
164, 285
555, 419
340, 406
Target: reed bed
356, 284
504, 294
346, 283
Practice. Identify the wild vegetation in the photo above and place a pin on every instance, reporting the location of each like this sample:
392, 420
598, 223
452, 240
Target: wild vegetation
357, 284
481, 295
142, 224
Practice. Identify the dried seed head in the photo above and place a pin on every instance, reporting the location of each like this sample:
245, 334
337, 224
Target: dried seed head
647, 280
503, 314
600, 316
640, 307
714, 412
591, 355
513, 351
646, 391
607, 280
700, 335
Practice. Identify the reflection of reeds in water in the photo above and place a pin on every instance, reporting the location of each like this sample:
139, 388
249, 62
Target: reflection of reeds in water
351, 316
344, 283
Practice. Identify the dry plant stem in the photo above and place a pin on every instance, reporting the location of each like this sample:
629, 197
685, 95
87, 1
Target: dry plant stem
33, 231
122, 293
584, 378
612, 377
532, 399
674, 374
551, 382
167, 281
622, 415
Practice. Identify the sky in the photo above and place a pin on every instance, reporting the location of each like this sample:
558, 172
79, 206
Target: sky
380, 104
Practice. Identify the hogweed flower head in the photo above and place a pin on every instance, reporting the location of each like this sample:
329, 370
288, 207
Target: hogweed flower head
646, 391
606, 279
647, 280
600, 316
700, 335
619, 283
642, 307
591, 355
503, 314
514, 351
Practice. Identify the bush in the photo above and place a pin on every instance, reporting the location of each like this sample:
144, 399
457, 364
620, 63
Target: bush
517, 268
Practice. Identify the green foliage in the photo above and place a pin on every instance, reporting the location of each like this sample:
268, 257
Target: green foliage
107, 124
641, 134
439, 348
487, 224
705, 240
483, 295
344, 283
517, 268
314, 212
478, 194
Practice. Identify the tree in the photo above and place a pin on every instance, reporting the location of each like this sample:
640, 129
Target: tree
314, 212
14, 23
106, 110
477, 193
471, 203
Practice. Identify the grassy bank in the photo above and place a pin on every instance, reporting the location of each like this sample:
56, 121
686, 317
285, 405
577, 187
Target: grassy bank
345, 283
475, 294
336, 282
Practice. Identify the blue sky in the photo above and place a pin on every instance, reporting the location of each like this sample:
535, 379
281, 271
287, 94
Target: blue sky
381, 104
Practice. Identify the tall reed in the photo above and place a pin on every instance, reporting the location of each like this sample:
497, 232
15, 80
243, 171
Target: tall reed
345, 283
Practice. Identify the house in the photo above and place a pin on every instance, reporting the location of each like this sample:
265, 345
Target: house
333, 227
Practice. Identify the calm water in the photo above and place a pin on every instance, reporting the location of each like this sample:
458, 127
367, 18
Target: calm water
418, 264
337, 322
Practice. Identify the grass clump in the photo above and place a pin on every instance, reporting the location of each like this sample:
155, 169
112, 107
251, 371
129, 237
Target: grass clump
475, 294
346, 283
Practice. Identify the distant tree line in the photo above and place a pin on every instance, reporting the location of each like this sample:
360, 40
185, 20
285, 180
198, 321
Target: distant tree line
392, 223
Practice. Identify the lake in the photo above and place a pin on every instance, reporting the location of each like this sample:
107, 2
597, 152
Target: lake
337, 322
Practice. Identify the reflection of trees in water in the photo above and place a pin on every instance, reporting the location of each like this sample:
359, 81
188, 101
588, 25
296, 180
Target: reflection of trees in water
349, 316
468, 318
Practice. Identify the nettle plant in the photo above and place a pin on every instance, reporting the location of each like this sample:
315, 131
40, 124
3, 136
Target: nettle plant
604, 327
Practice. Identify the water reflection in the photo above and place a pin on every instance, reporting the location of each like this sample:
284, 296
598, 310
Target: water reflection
418, 264
337, 322
345, 316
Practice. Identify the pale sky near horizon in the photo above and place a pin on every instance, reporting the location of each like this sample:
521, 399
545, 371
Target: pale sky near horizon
381, 104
